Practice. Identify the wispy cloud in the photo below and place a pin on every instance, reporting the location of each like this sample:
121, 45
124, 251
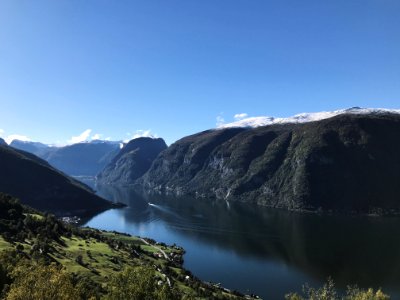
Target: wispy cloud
97, 136
84, 136
12, 137
241, 116
220, 121
141, 133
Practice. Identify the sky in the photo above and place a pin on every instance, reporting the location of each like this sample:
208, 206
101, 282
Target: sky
72, 70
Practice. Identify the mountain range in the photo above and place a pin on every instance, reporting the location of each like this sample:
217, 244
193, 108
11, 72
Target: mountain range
81, 159
346, 160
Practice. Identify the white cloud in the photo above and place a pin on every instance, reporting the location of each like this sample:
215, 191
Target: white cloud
12, 137
240, 116
1, 132
80, 138
142, 133
96, 136
220, 121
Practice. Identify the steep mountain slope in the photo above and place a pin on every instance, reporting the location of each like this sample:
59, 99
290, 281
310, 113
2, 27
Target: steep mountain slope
83, 159
350, 162
2, 142
133, 160
41, 186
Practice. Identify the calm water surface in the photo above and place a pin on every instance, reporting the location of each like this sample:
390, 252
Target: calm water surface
265, 251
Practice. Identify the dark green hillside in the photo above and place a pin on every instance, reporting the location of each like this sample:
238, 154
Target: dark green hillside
41, 186
48, 259
347, 163
133, 160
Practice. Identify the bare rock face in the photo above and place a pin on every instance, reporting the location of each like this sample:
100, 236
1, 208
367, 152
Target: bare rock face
350, 163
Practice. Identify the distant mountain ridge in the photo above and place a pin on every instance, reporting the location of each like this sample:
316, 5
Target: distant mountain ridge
132, 161
41, 186
39, 149
81, 159
349, 162
307, 117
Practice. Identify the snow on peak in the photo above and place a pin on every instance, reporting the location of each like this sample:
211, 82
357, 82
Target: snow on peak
305, 117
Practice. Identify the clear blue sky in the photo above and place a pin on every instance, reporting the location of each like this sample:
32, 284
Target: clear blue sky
174, 66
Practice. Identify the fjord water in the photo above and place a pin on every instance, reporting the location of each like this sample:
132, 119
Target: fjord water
266, 251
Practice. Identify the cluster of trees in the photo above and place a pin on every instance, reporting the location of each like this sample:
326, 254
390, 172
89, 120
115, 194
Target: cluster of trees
18, 222
329, 292
23, 279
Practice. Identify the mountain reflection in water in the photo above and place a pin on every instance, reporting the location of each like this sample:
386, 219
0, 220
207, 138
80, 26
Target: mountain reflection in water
266, 251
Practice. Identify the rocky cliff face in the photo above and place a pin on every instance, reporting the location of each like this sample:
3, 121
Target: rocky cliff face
346, 163
133, 160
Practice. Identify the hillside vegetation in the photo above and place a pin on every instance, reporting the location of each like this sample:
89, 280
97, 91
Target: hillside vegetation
44, 258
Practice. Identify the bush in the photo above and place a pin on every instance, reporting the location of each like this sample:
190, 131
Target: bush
137, 284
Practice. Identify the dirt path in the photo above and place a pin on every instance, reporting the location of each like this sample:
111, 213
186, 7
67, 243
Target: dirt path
159, 249
163, 253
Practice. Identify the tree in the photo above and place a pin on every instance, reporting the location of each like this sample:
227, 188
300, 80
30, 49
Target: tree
37, 281
137, 284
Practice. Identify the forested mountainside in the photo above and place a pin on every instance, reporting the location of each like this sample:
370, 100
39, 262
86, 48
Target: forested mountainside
349, 163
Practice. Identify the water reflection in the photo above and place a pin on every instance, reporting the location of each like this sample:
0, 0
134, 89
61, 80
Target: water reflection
276, 250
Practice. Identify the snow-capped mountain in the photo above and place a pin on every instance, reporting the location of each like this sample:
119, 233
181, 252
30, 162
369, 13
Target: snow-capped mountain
305, 117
